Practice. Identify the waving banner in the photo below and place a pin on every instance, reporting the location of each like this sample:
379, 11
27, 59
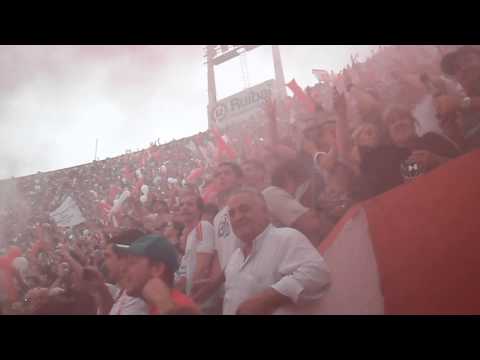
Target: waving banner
68, 214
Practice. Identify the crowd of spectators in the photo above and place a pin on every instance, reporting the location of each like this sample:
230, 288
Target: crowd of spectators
163, 225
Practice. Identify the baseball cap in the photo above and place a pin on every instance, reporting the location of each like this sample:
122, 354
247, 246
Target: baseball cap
153, 247
449, 60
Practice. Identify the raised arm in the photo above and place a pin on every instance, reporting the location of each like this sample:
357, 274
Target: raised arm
344, 143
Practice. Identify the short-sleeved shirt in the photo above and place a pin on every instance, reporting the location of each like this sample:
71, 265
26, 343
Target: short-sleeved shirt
283, 207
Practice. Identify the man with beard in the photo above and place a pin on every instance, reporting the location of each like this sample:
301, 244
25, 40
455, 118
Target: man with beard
464, 66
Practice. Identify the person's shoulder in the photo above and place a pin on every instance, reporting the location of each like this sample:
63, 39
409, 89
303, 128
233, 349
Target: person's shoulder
205, 224
113, 289
438, 143
287, 233
274, 191
432, 136
131, 299
221, 213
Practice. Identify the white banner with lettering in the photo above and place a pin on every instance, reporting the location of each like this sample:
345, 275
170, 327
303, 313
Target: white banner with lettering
68, 214
241, 106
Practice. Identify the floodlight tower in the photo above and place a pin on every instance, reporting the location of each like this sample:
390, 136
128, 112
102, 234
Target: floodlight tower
218, 54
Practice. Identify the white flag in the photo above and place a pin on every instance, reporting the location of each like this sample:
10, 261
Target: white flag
68, 214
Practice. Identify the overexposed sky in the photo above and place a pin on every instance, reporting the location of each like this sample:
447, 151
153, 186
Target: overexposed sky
55, 101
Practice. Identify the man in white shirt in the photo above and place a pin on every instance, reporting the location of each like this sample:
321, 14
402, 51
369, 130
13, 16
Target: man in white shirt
113, 299
275, 268
200, 236
283, 199
229, 177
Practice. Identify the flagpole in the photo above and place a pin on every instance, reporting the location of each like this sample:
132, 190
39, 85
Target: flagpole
96, 148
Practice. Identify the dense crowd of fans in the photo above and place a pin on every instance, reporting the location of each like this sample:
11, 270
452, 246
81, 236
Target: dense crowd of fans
186, 227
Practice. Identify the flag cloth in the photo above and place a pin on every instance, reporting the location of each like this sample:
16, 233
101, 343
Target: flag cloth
411, 250
321, 75
222, 147
302, 96
68, 214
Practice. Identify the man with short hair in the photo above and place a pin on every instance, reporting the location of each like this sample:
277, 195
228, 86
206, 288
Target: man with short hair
229, 176
290, 182
274, 269
150, 275
200, 234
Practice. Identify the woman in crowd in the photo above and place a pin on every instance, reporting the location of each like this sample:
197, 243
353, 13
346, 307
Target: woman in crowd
405, 156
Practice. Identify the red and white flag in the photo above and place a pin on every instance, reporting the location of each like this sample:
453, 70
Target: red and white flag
223, 147
412, 250
301, 96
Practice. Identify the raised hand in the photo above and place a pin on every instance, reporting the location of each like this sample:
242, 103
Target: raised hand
340, 103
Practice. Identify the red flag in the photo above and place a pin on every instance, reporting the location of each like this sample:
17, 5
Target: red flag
194, 175
301, 96
222, 146
389, 275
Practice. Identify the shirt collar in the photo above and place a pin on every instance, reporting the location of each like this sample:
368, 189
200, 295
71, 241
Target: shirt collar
258, 241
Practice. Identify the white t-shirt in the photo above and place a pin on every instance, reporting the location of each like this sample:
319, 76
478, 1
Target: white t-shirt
425, 113
283, 259
199, 240
283, 207
226, 242
126, 305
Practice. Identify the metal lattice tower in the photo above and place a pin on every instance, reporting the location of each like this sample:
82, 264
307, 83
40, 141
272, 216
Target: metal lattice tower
218, 54
244, 67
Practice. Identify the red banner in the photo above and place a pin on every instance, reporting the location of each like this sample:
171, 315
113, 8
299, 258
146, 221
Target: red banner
302, 96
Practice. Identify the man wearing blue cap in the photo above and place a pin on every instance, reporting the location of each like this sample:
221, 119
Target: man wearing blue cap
152, 264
